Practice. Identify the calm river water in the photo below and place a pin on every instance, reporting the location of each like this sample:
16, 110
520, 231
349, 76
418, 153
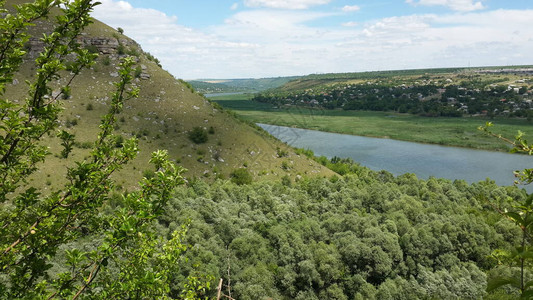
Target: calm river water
399, 157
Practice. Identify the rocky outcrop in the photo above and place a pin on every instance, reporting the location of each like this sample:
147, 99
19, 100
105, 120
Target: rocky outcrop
104, 45
34, 46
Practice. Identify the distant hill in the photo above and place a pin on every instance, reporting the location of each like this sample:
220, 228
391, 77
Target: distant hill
328, 79
162, 118
208, 86
213, 87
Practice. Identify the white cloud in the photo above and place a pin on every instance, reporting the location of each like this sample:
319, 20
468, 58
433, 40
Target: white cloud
235, 6
183, 51
259, 22
444, 41
285, 4
351, 8
268, 43
457, 5
350, 24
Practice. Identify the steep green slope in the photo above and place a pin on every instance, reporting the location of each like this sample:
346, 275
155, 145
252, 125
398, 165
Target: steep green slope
162, 117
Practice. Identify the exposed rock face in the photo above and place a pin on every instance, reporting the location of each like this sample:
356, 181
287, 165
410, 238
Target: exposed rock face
104, 45
34, 46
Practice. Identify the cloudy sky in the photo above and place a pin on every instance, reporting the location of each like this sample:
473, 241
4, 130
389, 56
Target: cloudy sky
270, 38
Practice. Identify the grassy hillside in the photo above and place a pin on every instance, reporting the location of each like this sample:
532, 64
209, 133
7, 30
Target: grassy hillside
162, 117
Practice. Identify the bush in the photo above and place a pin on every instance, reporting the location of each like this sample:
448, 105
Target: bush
144, 132
106, 60
133, 52
138, 72
187, 85
92, 49
89, 106
241, 176
152, 58
281, 153
148, 174
198, 135
307, 152
71, 123
121, 50
65, 92
286, 181
217, 106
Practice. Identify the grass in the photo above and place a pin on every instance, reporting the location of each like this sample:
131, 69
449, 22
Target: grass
460, 132
161, 118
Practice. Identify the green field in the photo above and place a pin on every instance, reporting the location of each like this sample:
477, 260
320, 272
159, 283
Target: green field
461, 132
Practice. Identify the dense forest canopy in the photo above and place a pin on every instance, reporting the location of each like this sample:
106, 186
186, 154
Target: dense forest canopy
368, 235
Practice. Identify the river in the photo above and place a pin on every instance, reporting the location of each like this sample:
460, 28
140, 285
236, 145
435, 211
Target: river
399, 157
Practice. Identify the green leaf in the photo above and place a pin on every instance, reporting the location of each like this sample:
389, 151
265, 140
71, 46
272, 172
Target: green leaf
498, 282
516, 217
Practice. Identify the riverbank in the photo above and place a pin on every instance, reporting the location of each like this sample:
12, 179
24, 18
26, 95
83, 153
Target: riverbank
457, 132
400, 157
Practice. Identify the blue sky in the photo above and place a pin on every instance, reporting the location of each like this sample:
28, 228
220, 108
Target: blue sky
269, 38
